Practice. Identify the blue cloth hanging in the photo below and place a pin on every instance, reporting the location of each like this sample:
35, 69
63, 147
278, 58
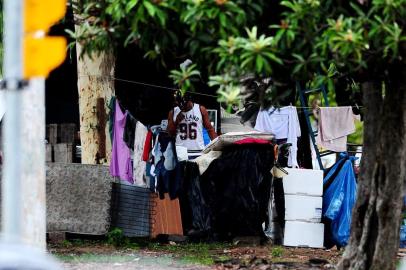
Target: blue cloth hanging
339, 199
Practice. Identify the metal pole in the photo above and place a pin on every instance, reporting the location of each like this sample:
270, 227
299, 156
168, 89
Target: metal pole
11, 199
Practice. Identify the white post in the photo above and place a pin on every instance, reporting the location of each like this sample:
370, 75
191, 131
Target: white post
23, 192
32, 190
11, 183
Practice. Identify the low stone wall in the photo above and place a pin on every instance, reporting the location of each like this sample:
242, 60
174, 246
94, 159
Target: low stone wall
78, 198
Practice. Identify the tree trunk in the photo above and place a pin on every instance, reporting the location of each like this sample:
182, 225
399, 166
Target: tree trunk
96, 87
376, 216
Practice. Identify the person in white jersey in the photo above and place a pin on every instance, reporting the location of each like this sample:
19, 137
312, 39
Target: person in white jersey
186, 122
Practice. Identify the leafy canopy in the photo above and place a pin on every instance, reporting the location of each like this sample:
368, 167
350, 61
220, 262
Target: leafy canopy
309, 41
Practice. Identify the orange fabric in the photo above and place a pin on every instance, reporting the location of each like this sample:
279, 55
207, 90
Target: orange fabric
166, 217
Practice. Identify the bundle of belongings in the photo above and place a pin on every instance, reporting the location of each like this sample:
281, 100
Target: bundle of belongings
230, 184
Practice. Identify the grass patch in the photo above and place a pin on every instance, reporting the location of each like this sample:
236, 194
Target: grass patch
198, 259
90, 257
187, 253
277, 252
66, 243
194, 253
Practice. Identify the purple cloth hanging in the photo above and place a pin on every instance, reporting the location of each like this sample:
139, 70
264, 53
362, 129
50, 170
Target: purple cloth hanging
120, 165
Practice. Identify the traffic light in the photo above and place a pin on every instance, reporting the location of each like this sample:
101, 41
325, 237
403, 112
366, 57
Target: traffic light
42, 53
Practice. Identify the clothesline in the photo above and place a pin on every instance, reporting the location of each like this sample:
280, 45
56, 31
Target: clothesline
146, 84
177, 89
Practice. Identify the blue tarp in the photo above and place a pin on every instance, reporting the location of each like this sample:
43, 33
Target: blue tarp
339, 199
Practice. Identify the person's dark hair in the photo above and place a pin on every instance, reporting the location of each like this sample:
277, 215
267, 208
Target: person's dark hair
181, 100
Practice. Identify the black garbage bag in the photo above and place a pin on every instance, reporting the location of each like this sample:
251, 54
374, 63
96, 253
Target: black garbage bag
236, 188
196, 216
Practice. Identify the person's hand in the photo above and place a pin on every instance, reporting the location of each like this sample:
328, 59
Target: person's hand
180, 118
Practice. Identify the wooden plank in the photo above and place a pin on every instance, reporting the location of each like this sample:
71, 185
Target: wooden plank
166, 217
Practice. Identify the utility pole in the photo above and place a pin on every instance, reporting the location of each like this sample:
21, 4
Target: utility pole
33, 187
29, 56
13, 77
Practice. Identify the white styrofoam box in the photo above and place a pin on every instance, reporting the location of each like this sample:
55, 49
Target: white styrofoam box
303, 234
303, 208
304, 182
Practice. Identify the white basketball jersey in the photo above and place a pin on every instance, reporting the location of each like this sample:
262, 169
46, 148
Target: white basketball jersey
190, 130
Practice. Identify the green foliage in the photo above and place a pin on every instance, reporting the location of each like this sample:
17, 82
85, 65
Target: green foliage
310, 41
277, 252
78, 242
66, 243
185, 77
155, 26
116, 238
196, 253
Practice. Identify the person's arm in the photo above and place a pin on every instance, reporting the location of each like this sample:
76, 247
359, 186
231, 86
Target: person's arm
206, 123
172, 125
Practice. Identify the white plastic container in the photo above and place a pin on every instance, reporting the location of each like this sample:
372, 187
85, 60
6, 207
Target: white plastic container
303, 234
303, 208
303, 182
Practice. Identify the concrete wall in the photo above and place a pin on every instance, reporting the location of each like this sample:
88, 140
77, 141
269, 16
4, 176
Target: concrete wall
78, 198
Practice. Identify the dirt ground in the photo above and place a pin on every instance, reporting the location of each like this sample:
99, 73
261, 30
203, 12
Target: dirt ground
218, 256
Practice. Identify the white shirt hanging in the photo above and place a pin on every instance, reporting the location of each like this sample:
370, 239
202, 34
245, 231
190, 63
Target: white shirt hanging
284, 124
138, 163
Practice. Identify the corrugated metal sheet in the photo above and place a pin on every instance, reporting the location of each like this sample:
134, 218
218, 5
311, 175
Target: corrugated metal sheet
131, 210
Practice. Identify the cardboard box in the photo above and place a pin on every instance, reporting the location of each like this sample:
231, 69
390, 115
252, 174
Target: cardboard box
303, 208
304, 234
303, 182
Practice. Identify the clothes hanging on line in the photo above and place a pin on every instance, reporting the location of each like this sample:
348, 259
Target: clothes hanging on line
334, 125
112, 109
129, 130
139, 164
147, 146
165, 168
284, 124
120, 165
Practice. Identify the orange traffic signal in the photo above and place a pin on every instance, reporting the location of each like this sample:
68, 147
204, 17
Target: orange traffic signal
41, 53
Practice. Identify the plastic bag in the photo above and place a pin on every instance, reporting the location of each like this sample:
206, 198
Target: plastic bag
402, 243
339, 199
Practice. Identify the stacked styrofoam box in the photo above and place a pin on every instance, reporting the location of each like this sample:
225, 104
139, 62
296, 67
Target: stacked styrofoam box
303, 208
